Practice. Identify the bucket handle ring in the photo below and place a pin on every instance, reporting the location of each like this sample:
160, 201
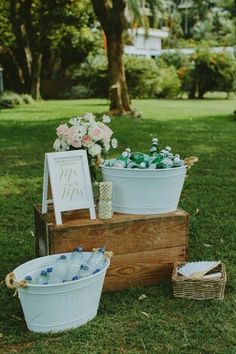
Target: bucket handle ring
190, 161
12, 283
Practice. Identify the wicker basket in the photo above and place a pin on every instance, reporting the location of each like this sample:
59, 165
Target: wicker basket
200, 289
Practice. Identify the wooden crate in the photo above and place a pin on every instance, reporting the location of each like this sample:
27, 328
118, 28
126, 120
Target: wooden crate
145, 246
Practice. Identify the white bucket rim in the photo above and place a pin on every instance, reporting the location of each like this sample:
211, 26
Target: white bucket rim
145, 170
47, 286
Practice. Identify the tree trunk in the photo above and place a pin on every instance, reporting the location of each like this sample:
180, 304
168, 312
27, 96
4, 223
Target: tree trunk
120, 102
35, 76
192, 91
113, 21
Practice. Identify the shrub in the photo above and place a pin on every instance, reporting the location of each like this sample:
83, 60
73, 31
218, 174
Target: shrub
142, 76
27, 99
9, 99
146, 78
92, 78
170, 84
207, 71
172, 59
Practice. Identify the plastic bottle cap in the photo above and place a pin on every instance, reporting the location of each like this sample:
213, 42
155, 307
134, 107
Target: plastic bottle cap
96, 271
78, 249
28, 277
102, 249
63, 257
76, 277
155, 140
43, 273
49, 269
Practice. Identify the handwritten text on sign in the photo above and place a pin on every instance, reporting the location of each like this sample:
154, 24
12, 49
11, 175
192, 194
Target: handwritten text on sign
70, 179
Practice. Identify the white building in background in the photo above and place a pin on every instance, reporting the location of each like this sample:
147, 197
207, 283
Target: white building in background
146, 44
149, 44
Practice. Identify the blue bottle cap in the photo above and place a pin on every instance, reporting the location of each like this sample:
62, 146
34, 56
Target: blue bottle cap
102, 249
49, 269
78, 249
96, 271
44, 273
28, 277
76, 277
63, 257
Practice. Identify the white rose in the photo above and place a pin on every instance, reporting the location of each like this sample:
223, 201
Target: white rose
57, 145
95, 150
106, 119
74, 121
114, 143
90, 117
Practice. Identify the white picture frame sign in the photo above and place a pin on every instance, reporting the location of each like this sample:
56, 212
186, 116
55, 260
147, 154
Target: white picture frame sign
70, 183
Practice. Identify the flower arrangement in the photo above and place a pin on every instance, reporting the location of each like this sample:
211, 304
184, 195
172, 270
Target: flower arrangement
84, 132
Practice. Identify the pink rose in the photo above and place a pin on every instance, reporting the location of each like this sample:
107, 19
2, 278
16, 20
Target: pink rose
62, 130
76, 143
107, 132
96, 133
72, 137
87, 140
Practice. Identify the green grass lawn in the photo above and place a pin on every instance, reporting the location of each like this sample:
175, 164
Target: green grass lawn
204, 128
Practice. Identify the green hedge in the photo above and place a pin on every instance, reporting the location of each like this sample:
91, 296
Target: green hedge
167, 76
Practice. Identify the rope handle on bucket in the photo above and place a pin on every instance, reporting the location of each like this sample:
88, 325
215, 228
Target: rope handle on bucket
107, 254
190, 161
12, 283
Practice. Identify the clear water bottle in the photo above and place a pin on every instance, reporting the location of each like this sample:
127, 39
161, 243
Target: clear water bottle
169, 153
92, 263
59, 271
164, 153
107, 163
156, 162
132, 164
123, 160
96, 257
177, 162
29, 279
43, 278
74, 264
167, 162
154, 148
85, 271
143, 165
100, 266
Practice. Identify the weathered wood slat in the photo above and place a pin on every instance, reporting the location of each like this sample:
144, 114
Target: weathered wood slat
144, 246
142, 268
